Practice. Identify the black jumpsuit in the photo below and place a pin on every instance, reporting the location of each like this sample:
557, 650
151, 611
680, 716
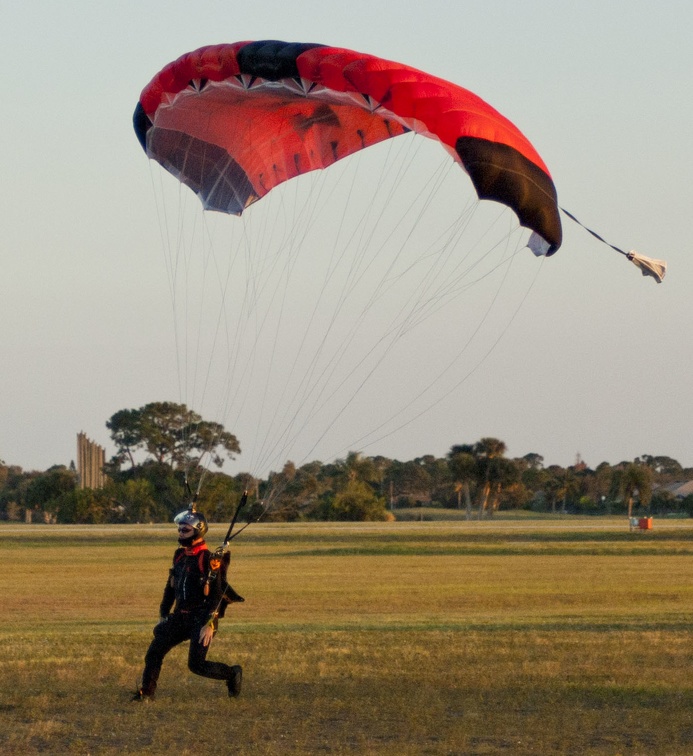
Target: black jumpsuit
192, 611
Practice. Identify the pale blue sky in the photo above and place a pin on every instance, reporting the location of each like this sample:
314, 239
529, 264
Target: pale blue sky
598, 360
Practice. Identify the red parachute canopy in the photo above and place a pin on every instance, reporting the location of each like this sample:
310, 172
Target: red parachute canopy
234, 121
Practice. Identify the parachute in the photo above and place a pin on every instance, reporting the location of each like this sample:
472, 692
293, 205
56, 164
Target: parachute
234, 121
315, 325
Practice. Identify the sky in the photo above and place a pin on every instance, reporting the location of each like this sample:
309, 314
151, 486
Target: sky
596, 361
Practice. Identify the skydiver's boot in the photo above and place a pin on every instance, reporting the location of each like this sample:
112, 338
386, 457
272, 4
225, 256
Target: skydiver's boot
234, 682
142, 695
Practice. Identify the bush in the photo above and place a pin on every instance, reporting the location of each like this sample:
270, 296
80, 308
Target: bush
358, 502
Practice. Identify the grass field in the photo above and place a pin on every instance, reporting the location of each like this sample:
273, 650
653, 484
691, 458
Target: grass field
563, 636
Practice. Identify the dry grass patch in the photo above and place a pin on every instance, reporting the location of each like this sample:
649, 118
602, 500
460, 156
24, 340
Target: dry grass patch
360, 640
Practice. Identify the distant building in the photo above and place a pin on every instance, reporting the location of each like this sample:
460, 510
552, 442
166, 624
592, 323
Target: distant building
680, 490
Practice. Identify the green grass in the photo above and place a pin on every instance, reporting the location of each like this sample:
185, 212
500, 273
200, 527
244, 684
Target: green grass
532, 637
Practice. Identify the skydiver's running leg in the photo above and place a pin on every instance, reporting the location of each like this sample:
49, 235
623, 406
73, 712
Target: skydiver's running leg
198, 664
197, 659
167, 634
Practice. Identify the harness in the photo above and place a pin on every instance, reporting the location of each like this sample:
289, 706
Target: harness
180, 553
209, 573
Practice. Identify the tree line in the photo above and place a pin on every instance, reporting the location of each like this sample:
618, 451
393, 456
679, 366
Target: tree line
163, 448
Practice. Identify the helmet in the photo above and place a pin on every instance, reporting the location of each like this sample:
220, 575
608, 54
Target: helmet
196, 520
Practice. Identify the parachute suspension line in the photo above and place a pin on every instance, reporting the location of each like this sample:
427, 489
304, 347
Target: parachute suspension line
221, 326
330, 269
183, 259
294, 243
233, 340
365, 441
194, 373
172, 250
300, 224
453, 287
310, 384
388, 339
197, 374
182, 240
394, 333
303, 218
439, 377
252, 294
246, 313
334, 261
189, 346
253, 289
648, 266
286, 276
359, 271
192, 352
404, 320
170, 263
453, 233
259, 283
249, 319
365, 229
441, 250
387, 280
444, 244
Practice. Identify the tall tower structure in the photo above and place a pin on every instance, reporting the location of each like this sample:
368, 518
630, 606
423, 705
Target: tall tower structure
91, 459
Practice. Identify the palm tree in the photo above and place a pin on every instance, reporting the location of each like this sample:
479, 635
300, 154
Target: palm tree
462, 465
635, 481
491, 472
505, 473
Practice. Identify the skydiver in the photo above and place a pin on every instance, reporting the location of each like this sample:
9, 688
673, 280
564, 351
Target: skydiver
198, 593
